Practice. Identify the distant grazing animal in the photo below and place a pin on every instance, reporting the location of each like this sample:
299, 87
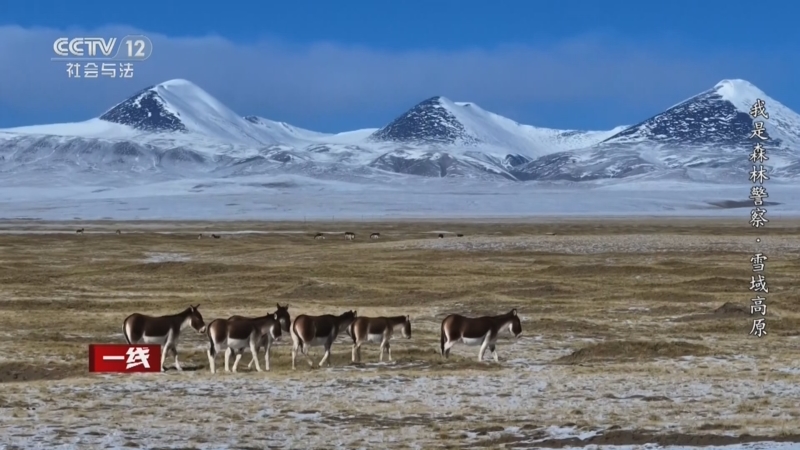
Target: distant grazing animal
378, 330
239, 334
481, 331
163, 330
215, 236
319, 236
441, 236
459, 235
119, 232
282, 313
200, 236
314, 331
349, 236
79, 231
375, 236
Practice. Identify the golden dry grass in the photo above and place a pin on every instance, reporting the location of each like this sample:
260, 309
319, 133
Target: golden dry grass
601, 302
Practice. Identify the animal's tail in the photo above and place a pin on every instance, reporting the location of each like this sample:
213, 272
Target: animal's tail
125, 331
212, 349
297, 340
351, 330
442, 339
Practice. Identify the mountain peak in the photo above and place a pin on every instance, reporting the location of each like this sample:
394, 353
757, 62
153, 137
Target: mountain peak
718, 116
429, 121
178, 82
170, 106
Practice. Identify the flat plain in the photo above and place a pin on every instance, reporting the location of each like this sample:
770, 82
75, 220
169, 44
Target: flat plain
634, 332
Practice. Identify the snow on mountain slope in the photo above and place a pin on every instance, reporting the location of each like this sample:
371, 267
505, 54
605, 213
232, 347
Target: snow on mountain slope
706, 137
719, 115
178, 112
175, 129
442, 122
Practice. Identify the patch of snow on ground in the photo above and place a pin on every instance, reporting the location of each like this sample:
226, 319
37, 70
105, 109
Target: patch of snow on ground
158, 257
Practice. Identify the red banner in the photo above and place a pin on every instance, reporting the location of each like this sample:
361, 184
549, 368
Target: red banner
124, 358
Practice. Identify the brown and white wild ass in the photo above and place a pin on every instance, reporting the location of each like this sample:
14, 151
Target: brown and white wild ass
481, 331
319, 236
162, 330
378, 330
282, 313
315, 331
119, 232
215, 236
79, 231
441, 236
348, 236
375, 236
239, 334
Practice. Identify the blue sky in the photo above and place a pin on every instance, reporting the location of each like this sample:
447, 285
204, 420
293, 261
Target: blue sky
334, 66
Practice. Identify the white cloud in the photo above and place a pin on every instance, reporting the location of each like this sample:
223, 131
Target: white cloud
309, 82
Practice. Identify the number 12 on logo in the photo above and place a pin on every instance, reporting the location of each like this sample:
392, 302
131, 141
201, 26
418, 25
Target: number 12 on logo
137, 47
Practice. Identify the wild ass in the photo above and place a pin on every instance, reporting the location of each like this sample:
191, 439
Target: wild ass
79, 231
375, 236
162, 330
282, 313
441, 236
119, 232
459, 235
378, 330
314, 331
319, 236
215, 236
481, 331
239, 334
348, 236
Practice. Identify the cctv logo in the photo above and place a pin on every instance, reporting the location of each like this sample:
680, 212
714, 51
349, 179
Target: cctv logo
92, 47
133, 47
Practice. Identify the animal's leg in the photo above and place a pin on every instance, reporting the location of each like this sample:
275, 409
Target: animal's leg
308, 358
254, 351
383, 344
355, 352
447, 346
266, 356
211, 361
175, 352
228, 359
493, 349
164, 355
483, 348
236, 360
294, 355
255, 355
389, 350
327, 355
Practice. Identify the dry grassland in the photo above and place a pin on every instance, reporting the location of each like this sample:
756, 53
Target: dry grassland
633, 332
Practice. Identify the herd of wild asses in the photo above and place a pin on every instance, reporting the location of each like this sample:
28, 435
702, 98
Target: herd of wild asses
237, 333
348, 235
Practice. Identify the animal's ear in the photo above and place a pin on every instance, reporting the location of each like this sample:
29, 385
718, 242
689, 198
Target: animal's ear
514, 312
275, 316
279, 305
408, 318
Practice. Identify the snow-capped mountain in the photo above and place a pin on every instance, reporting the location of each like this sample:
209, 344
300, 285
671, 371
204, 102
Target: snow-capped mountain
438, 120
176, 129
706, 137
